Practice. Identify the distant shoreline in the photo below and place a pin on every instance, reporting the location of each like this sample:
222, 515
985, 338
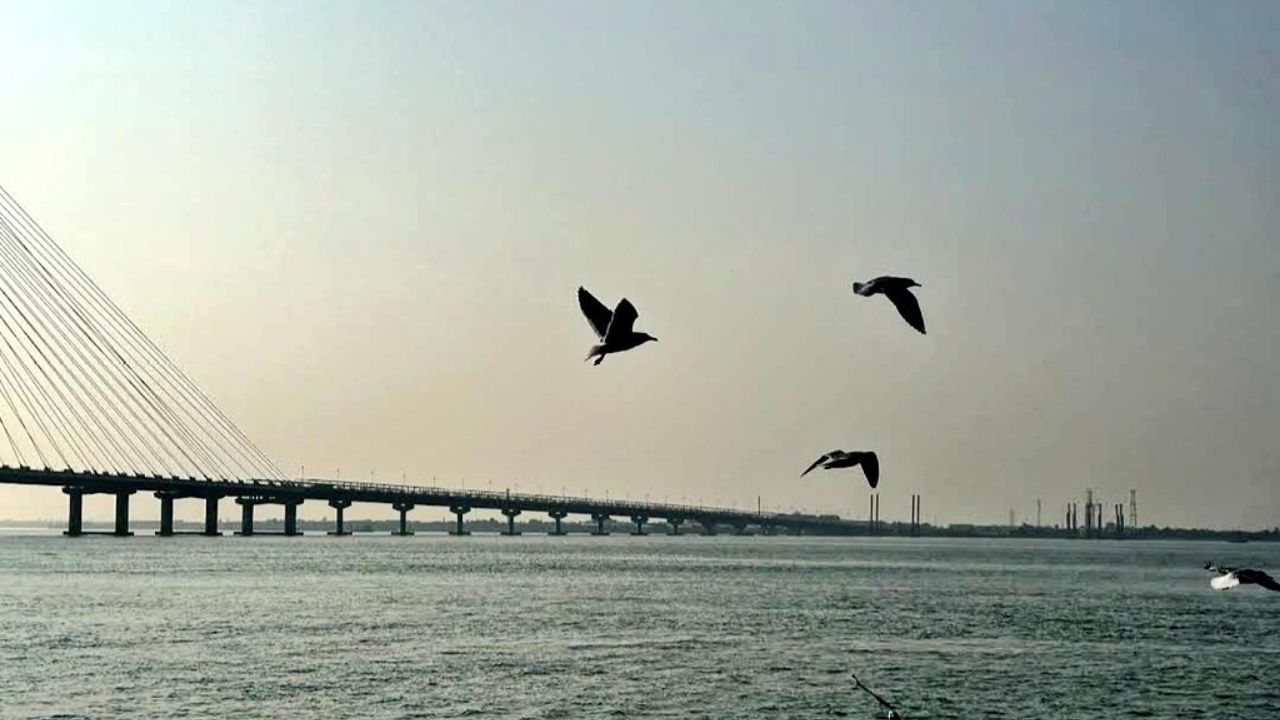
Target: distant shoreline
886, 529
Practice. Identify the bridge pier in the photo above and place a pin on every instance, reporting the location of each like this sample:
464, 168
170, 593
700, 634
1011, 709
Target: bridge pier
639, 520
211, 516
674, 523
740, 528
291, 517
558, 515
459, 511
166, 513
403, 508
708, 526
75, 511
246, 516
600, 520
122, 513
339, 505
510, 514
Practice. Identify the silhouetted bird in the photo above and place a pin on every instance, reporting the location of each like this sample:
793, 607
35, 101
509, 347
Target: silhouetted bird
613, 328
1228, 578
898, 290
841, 459
893, 714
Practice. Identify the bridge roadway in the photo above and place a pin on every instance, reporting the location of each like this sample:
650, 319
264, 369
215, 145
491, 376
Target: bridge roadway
248, 494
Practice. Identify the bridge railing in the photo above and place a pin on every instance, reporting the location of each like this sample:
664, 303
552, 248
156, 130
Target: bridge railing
491, 497
499, 496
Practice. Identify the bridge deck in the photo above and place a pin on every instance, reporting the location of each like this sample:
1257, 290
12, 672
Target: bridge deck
344, 493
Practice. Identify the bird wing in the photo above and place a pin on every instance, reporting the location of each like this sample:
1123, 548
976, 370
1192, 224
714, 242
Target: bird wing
624, 318
908, 307
815, 464
883, 703
1267, 581
597, 314
871, 468
1224, 582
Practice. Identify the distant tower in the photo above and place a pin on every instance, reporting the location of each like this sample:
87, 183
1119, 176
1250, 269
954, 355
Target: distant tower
1088, 512
1133, 509
1037, 512
1012, 519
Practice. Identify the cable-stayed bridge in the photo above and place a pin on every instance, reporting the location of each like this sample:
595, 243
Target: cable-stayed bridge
90, 404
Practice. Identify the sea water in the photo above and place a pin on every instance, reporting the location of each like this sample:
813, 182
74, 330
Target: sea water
432, 626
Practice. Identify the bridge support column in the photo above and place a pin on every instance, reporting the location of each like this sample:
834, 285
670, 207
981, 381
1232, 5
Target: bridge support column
708, 526
403, 508
558, 515
674, 523
246, 516
740, 528
291, 518
600, 520
639, 520
510, 514
339, 505
459, 511
75, 512
122, 513
166, 513
211, 516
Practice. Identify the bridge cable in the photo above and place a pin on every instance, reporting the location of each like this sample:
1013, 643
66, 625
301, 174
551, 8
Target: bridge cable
70, 321
17, 452
57, 261
87, 401
159, 413
127, 454
117, 319
74, 368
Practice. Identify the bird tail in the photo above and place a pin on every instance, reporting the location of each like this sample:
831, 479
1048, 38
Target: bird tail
596, 350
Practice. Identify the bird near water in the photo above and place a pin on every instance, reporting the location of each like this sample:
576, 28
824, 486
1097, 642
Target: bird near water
841, 459
1228, 578
898, 290
614, 328
893, 714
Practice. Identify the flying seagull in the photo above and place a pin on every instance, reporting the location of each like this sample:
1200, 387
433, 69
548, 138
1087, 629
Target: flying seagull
1228, 578
841, 459
893, 714
898, 290
613, 328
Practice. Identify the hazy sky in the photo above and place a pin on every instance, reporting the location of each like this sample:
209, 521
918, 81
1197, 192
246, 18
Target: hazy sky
360, 227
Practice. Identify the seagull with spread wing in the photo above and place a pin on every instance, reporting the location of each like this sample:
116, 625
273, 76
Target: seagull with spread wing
898, 290
1228, 578
614, 328
841, 459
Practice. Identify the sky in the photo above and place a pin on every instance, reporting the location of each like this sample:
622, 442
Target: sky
360, 227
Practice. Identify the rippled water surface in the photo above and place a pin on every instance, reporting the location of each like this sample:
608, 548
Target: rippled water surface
654, 627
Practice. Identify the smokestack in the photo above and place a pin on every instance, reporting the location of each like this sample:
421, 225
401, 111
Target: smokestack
1133, 508
1088, 513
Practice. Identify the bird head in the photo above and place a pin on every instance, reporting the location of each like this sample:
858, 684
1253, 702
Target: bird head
646, 337
913, 283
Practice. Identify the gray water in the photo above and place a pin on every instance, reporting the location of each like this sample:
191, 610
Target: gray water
624, 627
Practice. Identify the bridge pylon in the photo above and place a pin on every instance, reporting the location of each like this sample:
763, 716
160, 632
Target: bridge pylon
558, 516
600, 520
458, 511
